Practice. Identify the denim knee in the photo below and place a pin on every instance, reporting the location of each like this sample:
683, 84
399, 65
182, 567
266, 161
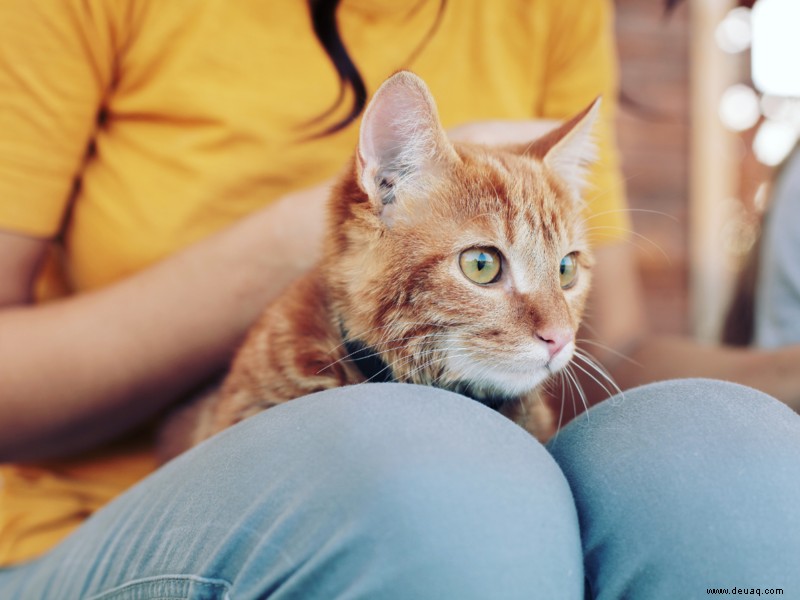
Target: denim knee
421, 493
683, 486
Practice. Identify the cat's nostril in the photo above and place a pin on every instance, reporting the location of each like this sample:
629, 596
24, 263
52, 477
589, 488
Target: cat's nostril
555, 339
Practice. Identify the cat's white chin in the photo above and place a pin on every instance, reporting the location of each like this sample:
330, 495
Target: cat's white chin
512, 378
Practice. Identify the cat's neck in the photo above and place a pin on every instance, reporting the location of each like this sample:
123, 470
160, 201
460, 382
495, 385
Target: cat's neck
374, 369
366, 359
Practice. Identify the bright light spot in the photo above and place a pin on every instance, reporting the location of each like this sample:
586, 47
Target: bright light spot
773, 142
738, 107
776, 46
733, 34
781, 109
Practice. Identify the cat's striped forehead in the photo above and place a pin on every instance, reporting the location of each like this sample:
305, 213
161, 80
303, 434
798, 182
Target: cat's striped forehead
522, 197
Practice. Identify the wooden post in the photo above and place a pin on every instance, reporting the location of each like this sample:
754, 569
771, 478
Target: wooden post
713, 169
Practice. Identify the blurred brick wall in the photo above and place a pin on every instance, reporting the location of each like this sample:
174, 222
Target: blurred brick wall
653, 132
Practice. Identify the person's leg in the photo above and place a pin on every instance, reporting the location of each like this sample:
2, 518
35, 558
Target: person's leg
372, 491
777, 299
686, 486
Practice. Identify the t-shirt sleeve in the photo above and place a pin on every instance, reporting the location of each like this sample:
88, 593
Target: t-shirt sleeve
56, 64
581, 65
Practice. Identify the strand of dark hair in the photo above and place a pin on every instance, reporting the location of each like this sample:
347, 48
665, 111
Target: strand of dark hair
323, 21
326, 29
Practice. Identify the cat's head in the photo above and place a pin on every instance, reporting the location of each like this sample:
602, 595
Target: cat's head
458, 265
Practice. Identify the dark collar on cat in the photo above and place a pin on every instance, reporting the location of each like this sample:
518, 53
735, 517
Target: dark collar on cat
375, 370
367, 360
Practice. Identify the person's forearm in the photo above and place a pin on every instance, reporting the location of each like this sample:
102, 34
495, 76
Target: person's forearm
76, 372
776, 372
656, 358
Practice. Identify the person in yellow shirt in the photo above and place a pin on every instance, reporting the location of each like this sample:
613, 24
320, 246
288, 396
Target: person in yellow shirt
157, 159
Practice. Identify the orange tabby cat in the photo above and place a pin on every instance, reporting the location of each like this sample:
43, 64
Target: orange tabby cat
446, 264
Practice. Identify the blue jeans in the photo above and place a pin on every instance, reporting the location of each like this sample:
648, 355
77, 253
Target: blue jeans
398, 491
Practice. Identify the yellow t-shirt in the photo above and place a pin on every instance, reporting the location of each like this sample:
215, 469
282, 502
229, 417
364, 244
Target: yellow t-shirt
132, 128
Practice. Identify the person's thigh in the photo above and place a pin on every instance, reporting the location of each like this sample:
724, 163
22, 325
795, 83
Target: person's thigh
686, 486
371, 491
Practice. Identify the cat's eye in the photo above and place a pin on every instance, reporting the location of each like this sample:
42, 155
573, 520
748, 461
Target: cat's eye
481, 265
568, 270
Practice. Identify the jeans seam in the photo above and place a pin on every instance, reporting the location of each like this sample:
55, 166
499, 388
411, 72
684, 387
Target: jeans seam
171, 578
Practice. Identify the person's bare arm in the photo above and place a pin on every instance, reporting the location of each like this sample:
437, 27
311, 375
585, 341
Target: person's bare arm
80, 371
615, 328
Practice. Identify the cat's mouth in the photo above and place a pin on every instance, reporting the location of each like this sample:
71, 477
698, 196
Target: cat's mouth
561, 359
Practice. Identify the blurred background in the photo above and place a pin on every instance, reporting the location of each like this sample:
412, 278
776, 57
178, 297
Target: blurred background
710, 107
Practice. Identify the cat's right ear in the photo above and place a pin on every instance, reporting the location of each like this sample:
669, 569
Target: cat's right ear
570, 148
401, 144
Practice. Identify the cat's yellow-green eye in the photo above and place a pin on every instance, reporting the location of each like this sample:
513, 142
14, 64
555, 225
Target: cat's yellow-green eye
568, 270
481, 265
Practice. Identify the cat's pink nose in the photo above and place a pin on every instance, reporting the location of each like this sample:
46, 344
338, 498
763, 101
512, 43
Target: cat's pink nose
555, 339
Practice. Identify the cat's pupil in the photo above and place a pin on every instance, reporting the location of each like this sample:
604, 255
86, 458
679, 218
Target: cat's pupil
481, 266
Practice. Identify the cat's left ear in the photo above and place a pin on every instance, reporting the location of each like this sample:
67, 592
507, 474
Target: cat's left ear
402, 144
570, 148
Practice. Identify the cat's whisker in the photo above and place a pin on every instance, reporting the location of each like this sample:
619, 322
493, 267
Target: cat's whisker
433, 361
429, 335
629, 210
563, 383
592, 362
571, 374
573, 386
405, 360
582, 396
380, 352
480, 367
599, 194
637, 235
392, 367
346, 358
394, 324
422, 337
592, 377
595, 379
400, 325
607, 349
402, 361
414, 356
